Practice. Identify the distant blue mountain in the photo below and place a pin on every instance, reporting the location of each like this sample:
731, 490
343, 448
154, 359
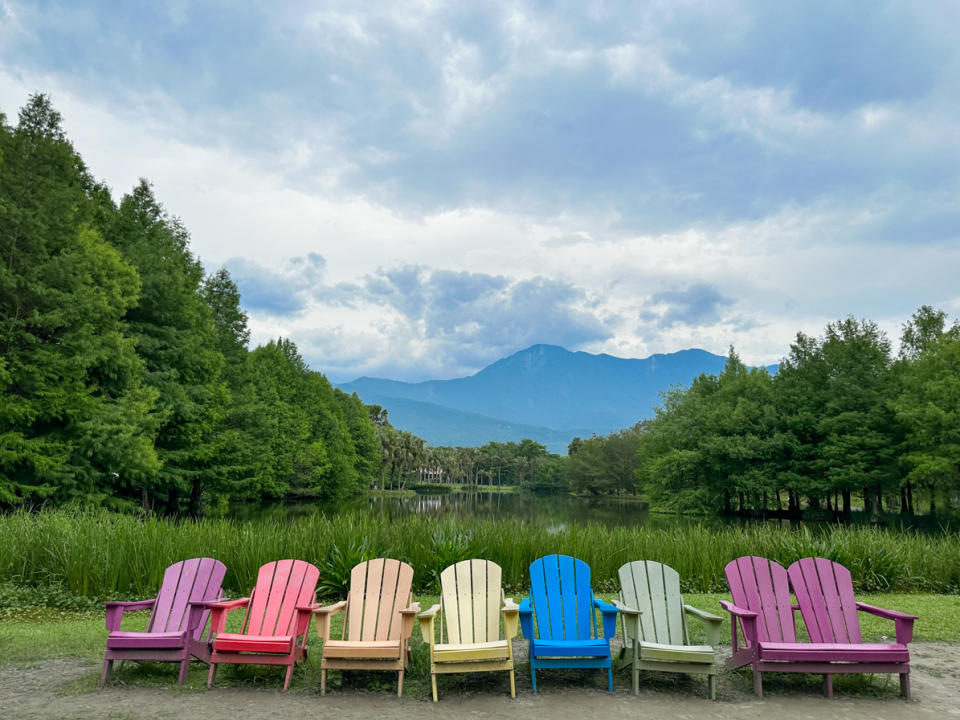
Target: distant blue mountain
545, 392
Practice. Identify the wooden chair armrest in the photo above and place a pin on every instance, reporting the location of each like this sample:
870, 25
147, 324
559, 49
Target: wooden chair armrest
702, 614
903, 622
738, 611
626, 609
407, 616
713, 623
609, 614
323, 618
219, 611
526, 618
114, 610
227, 604
426, 624
511, 616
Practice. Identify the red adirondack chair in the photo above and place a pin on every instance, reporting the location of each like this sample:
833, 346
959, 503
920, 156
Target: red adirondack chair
178, 616
762, 604
276, 622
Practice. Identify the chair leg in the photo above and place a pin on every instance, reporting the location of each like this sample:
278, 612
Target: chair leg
323, 682
184, 666
513, 685
635, 671
400, 684
905, 685
286, 680
828, 685
757, 682
610, 678
712, 686
533, 679
108, 666
433, 685
210, 675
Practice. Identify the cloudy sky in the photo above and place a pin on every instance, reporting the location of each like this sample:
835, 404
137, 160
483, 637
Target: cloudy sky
415, 189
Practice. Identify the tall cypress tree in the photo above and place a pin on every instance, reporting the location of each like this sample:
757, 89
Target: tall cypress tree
74, 416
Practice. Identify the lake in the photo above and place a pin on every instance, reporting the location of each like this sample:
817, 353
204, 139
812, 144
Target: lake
555, 511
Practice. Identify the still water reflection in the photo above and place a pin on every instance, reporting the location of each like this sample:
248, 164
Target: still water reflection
556, 511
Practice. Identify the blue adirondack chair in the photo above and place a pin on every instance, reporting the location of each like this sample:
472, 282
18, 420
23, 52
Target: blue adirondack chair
566, 632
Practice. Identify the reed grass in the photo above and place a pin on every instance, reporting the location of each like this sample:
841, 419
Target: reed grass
98, 554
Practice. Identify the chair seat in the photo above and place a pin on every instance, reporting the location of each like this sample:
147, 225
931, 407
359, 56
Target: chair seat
235, 642
121, 640
571, 648
834, 652
471, 651
676, 653
389, 649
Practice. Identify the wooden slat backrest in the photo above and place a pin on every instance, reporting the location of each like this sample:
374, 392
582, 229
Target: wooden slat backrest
471, 595
281, 587
761, 585
193, 580
562, 598
379, 590
654, 589
824, 591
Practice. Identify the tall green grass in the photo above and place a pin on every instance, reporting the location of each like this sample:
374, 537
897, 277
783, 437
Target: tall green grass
94, 553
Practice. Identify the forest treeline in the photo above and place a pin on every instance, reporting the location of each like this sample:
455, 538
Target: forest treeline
842, 418
125, 374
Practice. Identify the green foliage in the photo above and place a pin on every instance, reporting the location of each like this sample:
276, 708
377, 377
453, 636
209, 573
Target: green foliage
125, 379
335, 568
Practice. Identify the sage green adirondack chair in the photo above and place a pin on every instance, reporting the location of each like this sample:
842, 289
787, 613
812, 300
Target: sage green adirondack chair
655, 626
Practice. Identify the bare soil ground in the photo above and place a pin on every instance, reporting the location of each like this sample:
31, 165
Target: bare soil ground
66, 689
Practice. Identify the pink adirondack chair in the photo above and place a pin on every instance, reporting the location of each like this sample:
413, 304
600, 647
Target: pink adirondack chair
824, 591
762, 605
276, 622
178, 616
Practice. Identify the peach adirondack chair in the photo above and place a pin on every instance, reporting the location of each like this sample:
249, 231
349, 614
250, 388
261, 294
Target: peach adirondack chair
276, 622
471, 603
178, 617
378, 622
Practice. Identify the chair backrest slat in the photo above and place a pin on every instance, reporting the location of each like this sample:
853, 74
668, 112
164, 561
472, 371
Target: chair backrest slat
762, 586
379, 590
281, 587
471, 596
194, 580
825, 595
654, 589
562, 598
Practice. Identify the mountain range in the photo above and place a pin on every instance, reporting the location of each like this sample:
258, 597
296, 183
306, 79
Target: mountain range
545, 393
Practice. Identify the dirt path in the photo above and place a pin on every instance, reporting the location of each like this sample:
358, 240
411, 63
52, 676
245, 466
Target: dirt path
60, 689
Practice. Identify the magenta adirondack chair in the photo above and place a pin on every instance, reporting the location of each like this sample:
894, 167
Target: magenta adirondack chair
178, 616
276, 622
762, 604
824, 591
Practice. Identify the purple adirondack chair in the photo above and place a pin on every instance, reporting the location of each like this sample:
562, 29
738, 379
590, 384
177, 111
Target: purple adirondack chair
761, 603
824, 593
177, 619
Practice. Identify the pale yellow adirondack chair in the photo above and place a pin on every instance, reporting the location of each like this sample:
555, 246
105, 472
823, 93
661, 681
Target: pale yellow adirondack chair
470, 602
378, 624
655, 627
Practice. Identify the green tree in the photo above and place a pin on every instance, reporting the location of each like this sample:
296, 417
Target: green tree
74, 415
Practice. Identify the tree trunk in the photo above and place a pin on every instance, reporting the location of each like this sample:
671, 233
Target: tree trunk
726, 502
910, 496
196, 495
845, 493
779, 504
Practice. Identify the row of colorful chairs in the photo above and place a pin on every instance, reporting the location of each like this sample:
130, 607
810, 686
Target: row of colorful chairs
559, 620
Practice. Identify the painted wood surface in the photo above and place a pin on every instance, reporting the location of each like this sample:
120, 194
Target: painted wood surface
653, 615
559, 621
178, 618
471, 604
826, 601
276, 621
378, 623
